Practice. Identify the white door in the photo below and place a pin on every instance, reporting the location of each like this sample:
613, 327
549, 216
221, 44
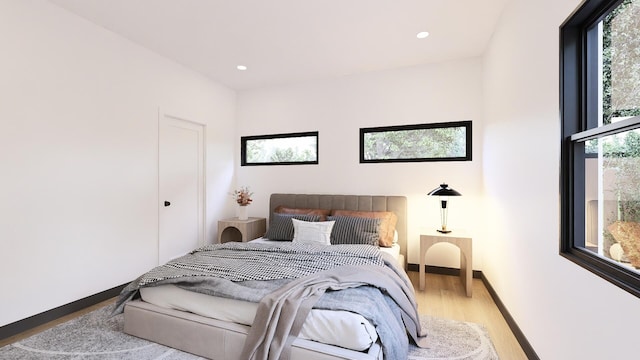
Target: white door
181, 187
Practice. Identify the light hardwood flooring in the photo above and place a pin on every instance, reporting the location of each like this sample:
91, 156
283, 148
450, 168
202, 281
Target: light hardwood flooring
443, 297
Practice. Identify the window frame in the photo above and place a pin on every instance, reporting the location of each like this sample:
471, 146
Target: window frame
467, 124
578, 111
243, 148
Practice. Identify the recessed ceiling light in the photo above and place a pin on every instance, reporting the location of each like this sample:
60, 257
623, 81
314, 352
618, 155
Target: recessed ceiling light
422, 34
241, 67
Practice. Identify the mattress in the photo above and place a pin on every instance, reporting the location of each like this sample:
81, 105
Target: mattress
340, 328
394, 251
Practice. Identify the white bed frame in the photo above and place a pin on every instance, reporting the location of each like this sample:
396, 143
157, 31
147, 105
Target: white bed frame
221, 340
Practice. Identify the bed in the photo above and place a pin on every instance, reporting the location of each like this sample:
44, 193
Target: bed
179, 318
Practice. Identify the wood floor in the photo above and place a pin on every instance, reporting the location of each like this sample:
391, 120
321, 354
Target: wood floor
443, 297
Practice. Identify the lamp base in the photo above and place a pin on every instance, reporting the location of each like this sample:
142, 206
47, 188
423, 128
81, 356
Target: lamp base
443, 231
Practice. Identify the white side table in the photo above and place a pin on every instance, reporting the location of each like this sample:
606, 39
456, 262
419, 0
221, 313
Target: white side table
241, 230
457, 238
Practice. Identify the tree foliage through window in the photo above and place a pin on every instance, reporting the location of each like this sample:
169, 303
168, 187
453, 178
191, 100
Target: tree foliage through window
280, 149
621, 68
424, 142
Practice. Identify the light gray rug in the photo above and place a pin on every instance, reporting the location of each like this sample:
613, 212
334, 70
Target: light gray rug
98, 336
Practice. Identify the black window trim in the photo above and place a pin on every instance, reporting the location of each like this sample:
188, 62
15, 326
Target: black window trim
574, 109
243, 148
467, 124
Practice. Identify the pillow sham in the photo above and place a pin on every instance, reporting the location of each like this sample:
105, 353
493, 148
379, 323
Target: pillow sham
281, 226
388, 221
323, 213
305, 232
355, 230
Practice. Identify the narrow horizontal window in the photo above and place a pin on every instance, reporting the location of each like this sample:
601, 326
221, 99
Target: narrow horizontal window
279, 149
450, 141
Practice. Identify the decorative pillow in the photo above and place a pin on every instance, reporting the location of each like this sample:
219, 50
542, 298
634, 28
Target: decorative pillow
281, 226
323, 213
305, 232
355, 230
388, 221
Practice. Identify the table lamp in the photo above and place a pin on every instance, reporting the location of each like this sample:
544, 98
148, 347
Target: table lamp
444, 191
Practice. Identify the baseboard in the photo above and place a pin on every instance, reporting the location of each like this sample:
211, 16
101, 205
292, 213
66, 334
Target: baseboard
53, 314
522, 340
515, 329
440, 270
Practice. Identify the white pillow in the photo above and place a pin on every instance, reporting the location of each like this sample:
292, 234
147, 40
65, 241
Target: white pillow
306, 232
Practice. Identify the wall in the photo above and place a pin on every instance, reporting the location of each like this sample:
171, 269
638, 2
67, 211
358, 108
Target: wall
79, 139
78, 109
338, 108
565, 311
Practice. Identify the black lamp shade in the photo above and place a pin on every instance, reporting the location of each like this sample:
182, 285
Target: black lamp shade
444, 190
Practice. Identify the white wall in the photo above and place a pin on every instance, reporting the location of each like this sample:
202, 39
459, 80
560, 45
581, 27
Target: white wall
338, 108
565, 311
78, 160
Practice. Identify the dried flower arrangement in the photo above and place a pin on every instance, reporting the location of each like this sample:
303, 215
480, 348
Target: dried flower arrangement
242, 196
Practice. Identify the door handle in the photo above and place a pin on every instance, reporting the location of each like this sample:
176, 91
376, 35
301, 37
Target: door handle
166, 203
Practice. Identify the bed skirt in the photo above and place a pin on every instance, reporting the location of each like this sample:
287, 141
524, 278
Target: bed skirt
215, 339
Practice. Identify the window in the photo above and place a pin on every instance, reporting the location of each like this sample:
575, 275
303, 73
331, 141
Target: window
280, 149
450, 141
600, 111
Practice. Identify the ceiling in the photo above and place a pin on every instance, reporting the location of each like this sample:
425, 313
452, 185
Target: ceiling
288, 41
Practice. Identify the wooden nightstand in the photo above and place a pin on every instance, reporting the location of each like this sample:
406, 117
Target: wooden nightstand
241, 230
457, 238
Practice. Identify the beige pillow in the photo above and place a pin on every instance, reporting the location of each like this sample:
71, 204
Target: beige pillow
323, 213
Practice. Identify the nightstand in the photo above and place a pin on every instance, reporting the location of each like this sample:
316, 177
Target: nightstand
457, 238
241, 230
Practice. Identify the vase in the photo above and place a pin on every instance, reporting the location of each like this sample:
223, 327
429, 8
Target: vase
243, 212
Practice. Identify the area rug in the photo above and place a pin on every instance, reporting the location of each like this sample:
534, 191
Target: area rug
99, 336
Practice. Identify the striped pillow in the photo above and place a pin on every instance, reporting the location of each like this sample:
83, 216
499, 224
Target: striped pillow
281, 226
354, 230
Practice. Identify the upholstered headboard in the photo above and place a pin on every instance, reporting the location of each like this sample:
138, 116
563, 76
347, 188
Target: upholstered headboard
396, 204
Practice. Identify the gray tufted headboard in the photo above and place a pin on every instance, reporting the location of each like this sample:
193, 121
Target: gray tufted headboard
396, 204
